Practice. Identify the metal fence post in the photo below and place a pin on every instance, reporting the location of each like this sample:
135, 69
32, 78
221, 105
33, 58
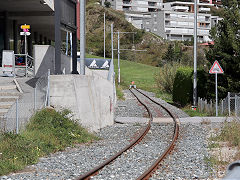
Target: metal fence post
222, 105
17, 122
48, 89
211, 106
229, 108
35, 98
235, 104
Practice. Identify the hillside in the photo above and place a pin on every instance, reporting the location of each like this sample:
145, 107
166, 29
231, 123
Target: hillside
154, 45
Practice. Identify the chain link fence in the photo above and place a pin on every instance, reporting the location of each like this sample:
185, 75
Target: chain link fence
228, 106
26, 105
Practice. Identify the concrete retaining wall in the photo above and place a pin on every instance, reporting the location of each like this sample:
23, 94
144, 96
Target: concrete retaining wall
90, 98
44, 57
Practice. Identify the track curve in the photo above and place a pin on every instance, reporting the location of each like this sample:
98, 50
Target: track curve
146, 174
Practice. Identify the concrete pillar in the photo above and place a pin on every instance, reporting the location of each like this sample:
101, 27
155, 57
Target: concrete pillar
36, 37
30, 46
40, 39
45, 41
23, 45
6, 31
57, 37
15, 36
74, 53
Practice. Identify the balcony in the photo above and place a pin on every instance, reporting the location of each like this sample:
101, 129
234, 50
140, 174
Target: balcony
180, 8
152, 3
204, 10
126, 2
126, 8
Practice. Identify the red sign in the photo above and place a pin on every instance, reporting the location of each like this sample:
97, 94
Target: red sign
7, 65
216, 68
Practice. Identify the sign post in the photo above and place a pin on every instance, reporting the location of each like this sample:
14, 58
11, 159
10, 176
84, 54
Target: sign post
216, 69
25, 33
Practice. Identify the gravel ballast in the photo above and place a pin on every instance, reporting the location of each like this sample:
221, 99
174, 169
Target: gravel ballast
75, 161
189, 152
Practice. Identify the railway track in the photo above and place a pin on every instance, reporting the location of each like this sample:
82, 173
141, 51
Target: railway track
138, 139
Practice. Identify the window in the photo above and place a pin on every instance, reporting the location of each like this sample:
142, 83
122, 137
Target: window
147, 22
155, 29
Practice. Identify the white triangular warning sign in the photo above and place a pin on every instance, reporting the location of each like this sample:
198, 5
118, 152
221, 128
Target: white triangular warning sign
93, 64
105, 65
216, 68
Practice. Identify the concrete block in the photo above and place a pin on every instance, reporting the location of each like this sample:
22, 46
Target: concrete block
90, 98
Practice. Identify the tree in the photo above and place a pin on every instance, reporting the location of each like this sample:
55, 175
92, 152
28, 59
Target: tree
173, 53
226, 48
107, 4
169, 56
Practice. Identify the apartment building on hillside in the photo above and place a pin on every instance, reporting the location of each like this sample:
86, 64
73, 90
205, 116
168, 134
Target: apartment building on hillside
135, 5
172, 20
216, 3
176, 21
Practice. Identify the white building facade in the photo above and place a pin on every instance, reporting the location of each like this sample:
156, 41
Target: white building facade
172, 21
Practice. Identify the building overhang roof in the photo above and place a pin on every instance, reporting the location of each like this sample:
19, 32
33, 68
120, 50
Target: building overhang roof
39, 14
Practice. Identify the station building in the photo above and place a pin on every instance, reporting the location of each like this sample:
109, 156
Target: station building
49, 20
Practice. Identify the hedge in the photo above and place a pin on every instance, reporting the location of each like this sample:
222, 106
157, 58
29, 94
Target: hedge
183, 85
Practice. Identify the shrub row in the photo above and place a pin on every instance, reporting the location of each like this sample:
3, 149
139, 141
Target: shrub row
183, 85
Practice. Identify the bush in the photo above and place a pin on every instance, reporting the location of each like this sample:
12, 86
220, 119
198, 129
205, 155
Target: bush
165, 77
182, 87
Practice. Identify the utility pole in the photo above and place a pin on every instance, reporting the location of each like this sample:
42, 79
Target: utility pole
118, 58
104, 55
195, 56
118, 50
111, 64
82, 36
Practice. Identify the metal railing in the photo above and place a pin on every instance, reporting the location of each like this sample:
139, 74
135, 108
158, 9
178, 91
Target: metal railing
26, 105
26, 67
228, 106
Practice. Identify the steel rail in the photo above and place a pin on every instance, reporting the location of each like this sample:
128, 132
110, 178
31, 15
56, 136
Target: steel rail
94, 171
147, 174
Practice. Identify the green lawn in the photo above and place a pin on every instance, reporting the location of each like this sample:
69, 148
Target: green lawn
92, 56
141, 74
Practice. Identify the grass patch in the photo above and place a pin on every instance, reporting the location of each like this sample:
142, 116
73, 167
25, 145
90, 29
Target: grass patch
193, 113
213, 145
212, 161
165, 96
230, 133
119, 92
48, 132
93, 56
141, 74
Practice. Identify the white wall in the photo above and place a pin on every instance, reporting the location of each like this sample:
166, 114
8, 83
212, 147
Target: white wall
90, 98
44, 59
